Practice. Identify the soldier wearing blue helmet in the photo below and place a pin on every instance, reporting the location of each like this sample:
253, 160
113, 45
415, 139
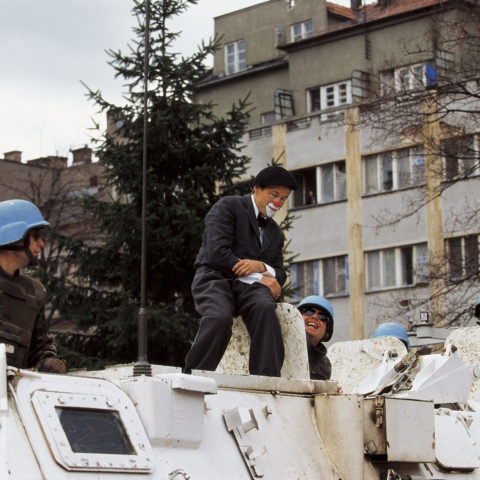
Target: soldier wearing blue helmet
23, 327
393, 329
317, 313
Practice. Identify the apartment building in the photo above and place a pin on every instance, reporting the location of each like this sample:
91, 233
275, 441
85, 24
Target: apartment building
314, 72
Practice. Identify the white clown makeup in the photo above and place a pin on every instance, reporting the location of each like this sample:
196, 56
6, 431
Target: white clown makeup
272, 208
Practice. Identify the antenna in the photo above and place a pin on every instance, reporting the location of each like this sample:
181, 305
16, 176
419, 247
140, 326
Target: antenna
142, 366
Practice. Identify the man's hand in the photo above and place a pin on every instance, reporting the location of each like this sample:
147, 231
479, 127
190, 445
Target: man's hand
272, 284
245, 267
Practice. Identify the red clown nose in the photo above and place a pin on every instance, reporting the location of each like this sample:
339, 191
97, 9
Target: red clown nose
277, 204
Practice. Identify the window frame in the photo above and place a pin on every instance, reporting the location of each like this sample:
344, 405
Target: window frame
312, 179
376, 185
457, 256
238, 64
456, 167
336, 183
283, 104
407, 78
378, 262
415, 76
316, 284
339, 271
321, 94
44, 403
306, 30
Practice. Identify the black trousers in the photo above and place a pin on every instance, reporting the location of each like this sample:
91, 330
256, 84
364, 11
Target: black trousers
218, 299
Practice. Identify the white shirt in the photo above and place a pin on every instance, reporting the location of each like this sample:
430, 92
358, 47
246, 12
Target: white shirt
256, 277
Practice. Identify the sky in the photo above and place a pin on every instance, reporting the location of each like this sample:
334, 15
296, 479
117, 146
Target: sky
48, 47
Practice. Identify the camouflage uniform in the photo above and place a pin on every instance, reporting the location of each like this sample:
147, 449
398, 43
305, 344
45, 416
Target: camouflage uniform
23, 327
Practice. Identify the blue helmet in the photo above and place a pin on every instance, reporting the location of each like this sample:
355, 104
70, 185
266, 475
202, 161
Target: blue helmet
17, 217
315, 301
477, 309
392, 329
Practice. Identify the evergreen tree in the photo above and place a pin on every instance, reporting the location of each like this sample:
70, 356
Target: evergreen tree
190, 152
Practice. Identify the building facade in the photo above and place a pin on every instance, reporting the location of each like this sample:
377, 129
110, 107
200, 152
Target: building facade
54, 185
337, 94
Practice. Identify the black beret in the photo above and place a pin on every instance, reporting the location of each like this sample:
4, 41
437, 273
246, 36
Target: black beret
274, 175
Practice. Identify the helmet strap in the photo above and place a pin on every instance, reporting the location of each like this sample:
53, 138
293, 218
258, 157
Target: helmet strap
32, 261
12, 247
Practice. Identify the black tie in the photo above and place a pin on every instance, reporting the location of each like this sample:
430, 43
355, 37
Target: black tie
262, 221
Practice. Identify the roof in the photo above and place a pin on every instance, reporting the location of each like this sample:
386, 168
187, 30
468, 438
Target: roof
383, 9
340, 11
390, 8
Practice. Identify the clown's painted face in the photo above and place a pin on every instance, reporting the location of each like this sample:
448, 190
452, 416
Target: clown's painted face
270, 200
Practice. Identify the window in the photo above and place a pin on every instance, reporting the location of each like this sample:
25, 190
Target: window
394, 170
329, 96
93, 431
318, 185
335, 275
460, 157
306, 193
387, 83
333, 182
412, 77
462, 257
327, 277
405, 79
305, 279
301, 30
235, 60
397, 267
283, 104
313, 100
267, 117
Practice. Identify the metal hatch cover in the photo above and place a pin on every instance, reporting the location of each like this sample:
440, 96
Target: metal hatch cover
62, 415
92, 432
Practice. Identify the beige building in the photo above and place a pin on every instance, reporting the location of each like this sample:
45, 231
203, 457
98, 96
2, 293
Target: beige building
52, 185
314, 73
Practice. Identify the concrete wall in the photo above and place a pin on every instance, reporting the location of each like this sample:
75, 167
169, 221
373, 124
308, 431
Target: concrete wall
322, 142
260, 90
388, 205
258, 27
320, 232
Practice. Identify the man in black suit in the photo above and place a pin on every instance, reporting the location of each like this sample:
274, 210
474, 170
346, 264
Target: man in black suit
240, 272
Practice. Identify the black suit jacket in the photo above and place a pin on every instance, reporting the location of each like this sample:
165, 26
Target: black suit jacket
232, 233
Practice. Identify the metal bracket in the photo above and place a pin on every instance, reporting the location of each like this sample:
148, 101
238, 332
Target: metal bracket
241, 421
379, 411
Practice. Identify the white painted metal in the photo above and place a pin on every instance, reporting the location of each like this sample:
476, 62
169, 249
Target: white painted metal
410, 430
454, 448
467, 342
179, 421
354, 361
212, 425
3, 413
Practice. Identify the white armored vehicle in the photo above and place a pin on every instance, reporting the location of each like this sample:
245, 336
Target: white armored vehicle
399, 416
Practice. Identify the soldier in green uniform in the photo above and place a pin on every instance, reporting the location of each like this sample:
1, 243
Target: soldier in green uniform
23, 326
